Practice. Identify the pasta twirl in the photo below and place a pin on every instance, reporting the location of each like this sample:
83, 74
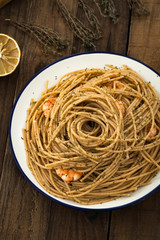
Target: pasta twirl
103, 123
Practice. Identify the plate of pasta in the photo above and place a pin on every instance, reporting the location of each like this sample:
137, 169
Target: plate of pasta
85, 131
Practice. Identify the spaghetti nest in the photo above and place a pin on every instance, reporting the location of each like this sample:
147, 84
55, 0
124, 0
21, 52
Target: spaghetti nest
105, 124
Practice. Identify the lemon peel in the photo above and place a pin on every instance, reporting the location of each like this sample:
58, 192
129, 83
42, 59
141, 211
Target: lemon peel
4, 2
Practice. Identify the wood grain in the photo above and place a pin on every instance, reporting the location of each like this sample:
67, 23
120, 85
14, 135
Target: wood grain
141, 221
24, 212
144, 38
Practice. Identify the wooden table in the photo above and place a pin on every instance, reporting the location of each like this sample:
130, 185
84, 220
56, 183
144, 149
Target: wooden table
24, 212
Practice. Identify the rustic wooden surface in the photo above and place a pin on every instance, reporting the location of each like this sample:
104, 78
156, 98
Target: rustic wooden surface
24, 212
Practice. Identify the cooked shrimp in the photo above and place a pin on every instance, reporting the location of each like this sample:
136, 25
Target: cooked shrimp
111, 84
119, 85
121, 105
153, 132
68, 175
48, 105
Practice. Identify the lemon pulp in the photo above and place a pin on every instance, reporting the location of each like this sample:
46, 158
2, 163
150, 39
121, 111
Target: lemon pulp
9, 54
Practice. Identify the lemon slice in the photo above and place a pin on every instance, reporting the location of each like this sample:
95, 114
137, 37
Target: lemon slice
9, 55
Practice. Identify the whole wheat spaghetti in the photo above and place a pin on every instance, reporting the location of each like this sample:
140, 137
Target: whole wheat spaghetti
103, 124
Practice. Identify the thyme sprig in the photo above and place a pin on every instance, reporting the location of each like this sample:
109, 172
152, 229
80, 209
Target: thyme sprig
86, 35
109, 9
50, 40
138, 7
89, 13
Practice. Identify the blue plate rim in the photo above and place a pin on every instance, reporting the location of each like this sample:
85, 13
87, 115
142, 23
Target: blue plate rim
12, 149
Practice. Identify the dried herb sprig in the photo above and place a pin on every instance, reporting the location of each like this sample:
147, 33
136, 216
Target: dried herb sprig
138, 7
50, 41
92, 19
109, 9
86, 35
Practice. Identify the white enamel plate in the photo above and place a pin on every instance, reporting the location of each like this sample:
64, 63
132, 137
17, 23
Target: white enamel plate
52, 73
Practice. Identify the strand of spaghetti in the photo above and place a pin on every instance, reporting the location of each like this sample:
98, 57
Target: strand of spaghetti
147, 157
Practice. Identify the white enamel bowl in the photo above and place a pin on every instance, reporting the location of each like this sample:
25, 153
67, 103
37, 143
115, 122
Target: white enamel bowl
52, 73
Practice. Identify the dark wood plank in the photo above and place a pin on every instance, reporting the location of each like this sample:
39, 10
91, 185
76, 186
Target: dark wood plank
141, 221
78, 224
20, 206
144, 38
7, 87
